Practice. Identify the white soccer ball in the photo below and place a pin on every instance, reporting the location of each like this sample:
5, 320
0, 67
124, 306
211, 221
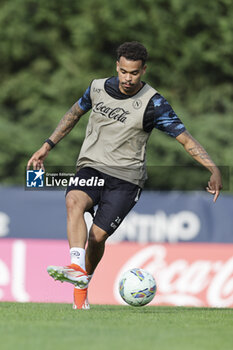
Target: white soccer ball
137, 287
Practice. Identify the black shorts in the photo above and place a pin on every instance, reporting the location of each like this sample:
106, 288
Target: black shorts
114, 197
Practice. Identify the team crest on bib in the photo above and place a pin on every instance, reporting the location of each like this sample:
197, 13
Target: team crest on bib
137, 104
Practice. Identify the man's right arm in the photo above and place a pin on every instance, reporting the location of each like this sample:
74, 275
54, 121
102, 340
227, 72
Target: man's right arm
65, 125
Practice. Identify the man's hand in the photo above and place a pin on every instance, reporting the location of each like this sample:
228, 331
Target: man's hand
37, 159
215, 184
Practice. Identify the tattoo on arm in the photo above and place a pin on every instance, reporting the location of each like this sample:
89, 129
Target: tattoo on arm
195, 149
67, 123
198, 151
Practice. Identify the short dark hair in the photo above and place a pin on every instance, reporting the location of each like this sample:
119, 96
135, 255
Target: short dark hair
132, 50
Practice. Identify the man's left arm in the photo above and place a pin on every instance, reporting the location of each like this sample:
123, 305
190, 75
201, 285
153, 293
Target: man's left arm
199, 154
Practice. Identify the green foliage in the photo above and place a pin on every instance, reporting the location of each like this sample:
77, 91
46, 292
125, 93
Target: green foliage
51, 50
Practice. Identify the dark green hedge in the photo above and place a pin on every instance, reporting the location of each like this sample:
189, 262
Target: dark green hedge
51, 50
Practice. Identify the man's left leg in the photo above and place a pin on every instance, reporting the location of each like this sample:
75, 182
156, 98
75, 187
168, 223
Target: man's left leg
94, 253
95, 248
117, 200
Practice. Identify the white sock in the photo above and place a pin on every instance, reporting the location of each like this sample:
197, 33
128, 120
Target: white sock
77, 256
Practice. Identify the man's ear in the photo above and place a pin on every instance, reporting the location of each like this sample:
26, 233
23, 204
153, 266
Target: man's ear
144, 69
117, 66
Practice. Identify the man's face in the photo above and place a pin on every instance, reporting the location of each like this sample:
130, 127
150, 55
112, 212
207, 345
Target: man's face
129, 74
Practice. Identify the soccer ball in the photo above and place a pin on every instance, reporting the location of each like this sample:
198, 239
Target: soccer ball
137, 287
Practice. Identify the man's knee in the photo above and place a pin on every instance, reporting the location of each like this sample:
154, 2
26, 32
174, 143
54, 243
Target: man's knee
97, 235
78, 201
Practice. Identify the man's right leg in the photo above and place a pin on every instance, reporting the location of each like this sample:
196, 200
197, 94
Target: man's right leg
77, 202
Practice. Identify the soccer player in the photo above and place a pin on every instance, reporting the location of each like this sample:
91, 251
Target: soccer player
125, 110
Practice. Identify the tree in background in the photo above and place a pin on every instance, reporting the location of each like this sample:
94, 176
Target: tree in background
51, 50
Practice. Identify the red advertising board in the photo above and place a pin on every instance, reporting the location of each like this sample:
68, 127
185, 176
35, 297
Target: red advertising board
191, 274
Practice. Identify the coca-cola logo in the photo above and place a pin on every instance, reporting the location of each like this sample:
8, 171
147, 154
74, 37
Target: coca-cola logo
117, 113
181, 282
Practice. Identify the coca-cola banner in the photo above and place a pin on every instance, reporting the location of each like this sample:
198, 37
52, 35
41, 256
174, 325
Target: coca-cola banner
157, 217
186, 274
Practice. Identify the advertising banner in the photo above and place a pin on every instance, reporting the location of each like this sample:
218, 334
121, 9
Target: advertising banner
157, 217
189, 274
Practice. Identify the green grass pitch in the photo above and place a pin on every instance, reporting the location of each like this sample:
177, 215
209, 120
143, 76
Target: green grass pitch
37, 326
